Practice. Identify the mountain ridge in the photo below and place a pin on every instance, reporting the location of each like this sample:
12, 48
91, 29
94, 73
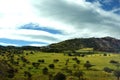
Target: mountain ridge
107, 44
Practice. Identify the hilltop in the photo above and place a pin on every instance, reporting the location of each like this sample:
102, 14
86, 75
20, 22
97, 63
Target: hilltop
107, 44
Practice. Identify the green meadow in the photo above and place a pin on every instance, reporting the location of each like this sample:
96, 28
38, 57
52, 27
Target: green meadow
65, 65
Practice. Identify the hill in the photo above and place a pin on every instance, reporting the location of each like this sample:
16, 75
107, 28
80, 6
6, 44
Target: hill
107, 44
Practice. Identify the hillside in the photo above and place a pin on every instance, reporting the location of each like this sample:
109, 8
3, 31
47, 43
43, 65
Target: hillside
107, 44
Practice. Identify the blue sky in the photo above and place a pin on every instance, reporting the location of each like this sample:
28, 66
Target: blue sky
42, 22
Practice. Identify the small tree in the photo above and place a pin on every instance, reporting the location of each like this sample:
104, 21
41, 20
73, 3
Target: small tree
88, 65
59, 76
50, 77
28, 75
11, 73
78, 61
45, 70
117, 74
79, 74
106, 69
52, 66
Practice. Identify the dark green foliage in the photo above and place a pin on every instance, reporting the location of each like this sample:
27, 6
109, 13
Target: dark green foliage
105, 54
69, 71
114, 62
52, 66
74, 66
45, 71
75, 58
88, 65
11, 73
59, 76
50, 77
67, 61
41, 60
28, 75
36, 64
55, 60
24, 59
78, 61
109, 70
117, 74
79, 74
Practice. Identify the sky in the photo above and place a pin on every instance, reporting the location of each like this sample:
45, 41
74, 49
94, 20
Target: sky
42, 22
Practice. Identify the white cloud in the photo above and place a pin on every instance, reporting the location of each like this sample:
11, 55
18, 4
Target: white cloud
38, 45
75, 18
6, 44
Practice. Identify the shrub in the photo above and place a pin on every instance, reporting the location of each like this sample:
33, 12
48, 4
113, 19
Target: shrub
59, 76
45, 71
106, 69
52, 66
88, 65
113, 61
55, 60
78, 61
79, 74
117, 74
11, 73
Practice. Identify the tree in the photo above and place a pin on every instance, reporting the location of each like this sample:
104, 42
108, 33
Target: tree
52, 66
78, 61
35, 64
79, 74
59, 76
45, 70
116, 63
88, 65
28, 75
106, 69
50, 77
11, 73
117, 74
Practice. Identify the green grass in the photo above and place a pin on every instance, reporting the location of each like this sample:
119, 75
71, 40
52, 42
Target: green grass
95, 73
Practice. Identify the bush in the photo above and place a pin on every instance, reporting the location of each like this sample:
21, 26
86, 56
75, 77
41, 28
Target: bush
41, 61
52, 66
117, 74
35, 64
87, 65
113, 61
59, 76
55, 60
106, 69
79, 74
78, 61
104, 54
45, 71
11, 73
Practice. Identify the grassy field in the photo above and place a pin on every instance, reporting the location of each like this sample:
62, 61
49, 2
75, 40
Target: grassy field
94, 73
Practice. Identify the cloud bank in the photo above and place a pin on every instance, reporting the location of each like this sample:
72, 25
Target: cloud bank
72, 18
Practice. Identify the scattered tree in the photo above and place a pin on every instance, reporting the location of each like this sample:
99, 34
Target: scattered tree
79, 74
52, 66
106, 69
59, 76
117, 74
45, 71
88, 65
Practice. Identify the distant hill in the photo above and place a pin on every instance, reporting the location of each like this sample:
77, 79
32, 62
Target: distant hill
107, 44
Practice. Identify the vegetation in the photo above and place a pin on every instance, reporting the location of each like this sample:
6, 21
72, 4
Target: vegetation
21, 64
